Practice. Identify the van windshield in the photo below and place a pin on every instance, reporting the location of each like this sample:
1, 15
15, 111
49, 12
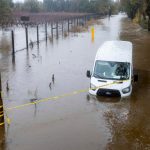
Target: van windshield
112, 70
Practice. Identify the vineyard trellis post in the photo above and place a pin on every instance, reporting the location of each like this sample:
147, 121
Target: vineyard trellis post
13, 43
37, 34
26, 31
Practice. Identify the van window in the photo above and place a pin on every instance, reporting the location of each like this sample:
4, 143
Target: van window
112, 70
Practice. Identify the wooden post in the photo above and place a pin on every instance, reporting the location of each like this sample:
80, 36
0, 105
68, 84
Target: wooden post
26, 31
13, 43
46, 31
52, 30
57, 29
1, 105
37, 34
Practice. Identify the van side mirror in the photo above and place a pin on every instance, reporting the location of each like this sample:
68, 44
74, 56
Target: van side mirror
135, 78
88, 74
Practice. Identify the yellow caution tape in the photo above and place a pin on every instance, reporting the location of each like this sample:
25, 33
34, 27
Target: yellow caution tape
60, 96
1, 115
1, 123
50, 98
1, 112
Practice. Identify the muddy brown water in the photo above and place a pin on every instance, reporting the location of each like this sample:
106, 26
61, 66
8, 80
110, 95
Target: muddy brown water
80, 121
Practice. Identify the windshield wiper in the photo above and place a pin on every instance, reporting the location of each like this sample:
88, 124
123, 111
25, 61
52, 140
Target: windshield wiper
96, 75
124, 78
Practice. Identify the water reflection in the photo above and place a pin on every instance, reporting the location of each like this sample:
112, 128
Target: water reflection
33, 98
5, 45
103, 99
13, 63
108, 99
28, 63
129, 124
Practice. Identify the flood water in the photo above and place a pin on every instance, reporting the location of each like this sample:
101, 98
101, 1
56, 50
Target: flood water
79, 121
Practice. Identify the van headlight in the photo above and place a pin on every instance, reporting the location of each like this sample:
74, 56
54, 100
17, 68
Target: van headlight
92, 87
126, 90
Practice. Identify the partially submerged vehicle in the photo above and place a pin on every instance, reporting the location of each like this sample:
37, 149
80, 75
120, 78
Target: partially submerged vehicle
112, 72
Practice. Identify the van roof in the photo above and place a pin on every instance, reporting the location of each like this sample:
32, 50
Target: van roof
119, 51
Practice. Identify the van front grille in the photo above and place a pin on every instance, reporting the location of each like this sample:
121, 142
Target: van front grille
108, 92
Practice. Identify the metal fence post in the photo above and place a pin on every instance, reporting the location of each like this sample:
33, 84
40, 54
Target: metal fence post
26, 31
13, 43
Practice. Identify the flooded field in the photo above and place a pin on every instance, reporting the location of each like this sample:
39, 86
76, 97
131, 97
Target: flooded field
77, 121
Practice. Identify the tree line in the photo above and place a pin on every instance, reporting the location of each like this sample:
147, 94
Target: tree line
64, 5
139, 9
7, 7
133, 6
5, 10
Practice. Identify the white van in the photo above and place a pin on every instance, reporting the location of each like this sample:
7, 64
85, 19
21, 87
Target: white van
113, 70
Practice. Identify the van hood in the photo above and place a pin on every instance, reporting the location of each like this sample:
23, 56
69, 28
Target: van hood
110, 84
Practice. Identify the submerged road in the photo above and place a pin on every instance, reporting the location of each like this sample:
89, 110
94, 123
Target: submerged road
80, 121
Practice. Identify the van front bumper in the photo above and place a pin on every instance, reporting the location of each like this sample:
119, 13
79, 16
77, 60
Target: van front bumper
108, 92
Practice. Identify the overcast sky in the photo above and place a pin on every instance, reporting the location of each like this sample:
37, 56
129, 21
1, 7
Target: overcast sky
23, 0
